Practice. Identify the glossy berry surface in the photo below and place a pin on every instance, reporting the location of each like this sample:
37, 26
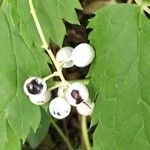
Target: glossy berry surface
40, 99
63, 54
83, 55
59, 108
85, 108
77, 93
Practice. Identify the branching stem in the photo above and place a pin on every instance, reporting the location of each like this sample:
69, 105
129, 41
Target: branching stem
51, 76
55, 86
45, 45
63, 81
83, 81
69, 59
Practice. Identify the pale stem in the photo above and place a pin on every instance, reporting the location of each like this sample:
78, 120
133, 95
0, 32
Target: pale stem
45, 45
55, 87
67, 60
85, 132
146, 9
83, 81
51, 76
129, 1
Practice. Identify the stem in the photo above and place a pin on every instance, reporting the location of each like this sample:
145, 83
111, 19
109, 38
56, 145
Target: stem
43, 39
67, 60
62, 135
55, 86
84, 81
51, 76
146, 9
32, 11
65, 128
129, 1
57, 66
85, 133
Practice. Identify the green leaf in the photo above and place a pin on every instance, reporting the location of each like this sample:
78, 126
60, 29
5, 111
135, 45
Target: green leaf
120, 78
12, 143
35, 139
3, 136
50, 14
17, 63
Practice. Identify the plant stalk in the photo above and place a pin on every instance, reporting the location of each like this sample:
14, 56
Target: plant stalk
45, 45
85, 132
83, 81
62, 135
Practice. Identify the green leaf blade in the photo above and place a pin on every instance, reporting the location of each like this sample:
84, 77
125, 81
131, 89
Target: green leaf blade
17, 63
12, 143
119, 76
35, 138
3, 137
50, 14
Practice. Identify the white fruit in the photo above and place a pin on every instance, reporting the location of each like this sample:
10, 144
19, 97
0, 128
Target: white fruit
82, 55
85, 108
36, 89
34, 86
59, 108
77, 93
64, 54
40, 99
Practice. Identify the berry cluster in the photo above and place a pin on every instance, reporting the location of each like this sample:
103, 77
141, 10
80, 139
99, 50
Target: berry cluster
81, 56
75, 94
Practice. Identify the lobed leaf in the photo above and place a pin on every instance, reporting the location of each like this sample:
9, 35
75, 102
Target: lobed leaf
21, 57
120, 78
12, 143
17, 63
50, 14
34, 139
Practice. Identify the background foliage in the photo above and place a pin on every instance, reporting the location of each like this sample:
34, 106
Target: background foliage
120, 78
21, 57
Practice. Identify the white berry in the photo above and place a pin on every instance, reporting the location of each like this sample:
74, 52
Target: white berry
59, 108
34, 86
83, 55
77, 93
36, 89
40, 99
63, 54
85, 108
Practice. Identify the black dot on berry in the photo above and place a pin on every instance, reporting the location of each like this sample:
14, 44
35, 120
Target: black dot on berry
58, 113
54, 111
34, 87
76, 95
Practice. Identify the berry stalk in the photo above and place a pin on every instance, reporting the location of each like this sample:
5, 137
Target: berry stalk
83, 81
62, 135
85, 133
45, 45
